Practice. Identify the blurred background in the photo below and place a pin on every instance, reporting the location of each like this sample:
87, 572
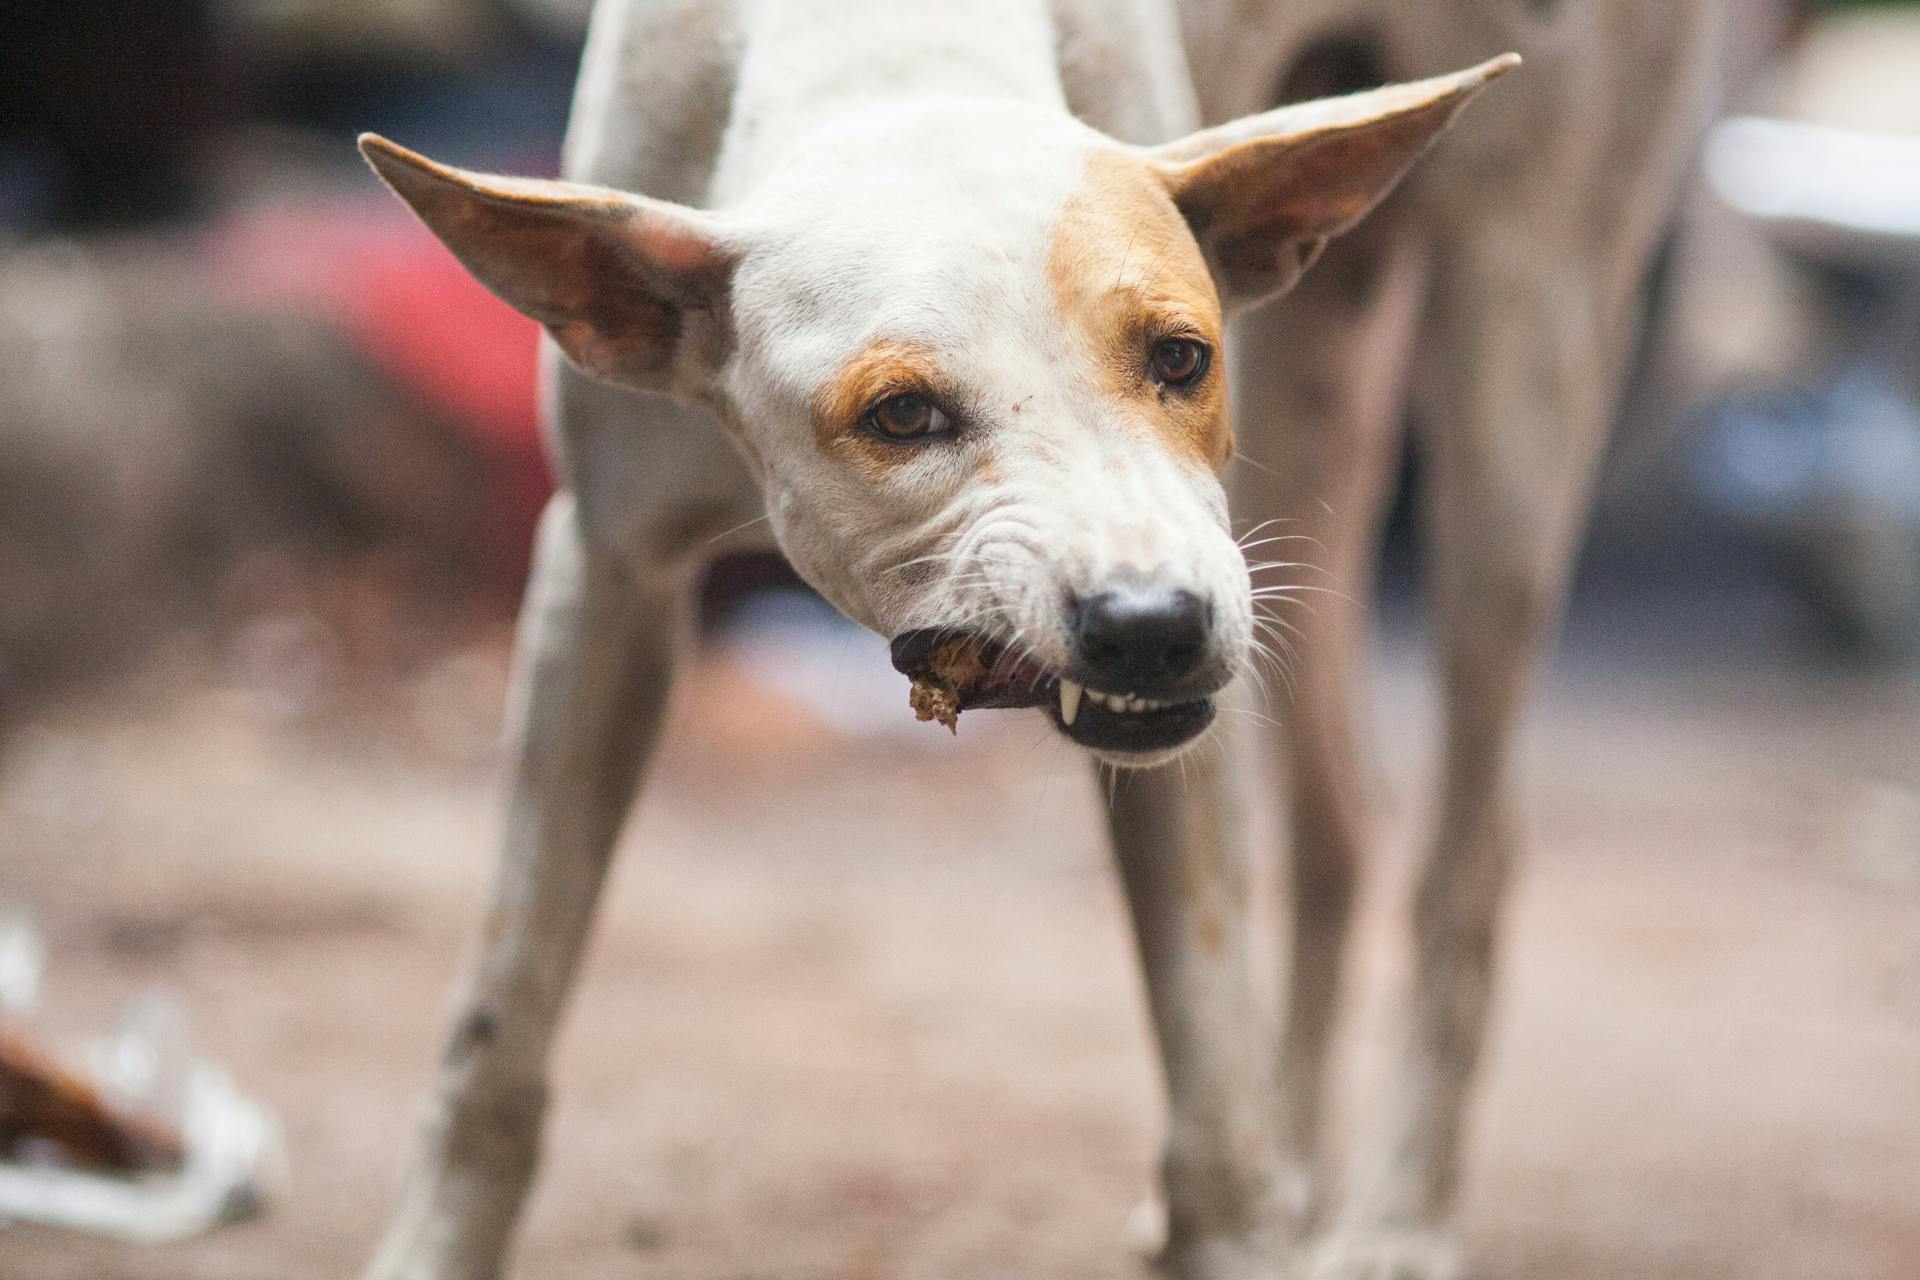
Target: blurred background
268, 471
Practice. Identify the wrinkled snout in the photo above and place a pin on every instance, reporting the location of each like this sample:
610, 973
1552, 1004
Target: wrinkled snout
1116, 599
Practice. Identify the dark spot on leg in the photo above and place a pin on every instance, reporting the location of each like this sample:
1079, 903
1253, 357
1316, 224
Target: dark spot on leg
475, 1031
644, 1235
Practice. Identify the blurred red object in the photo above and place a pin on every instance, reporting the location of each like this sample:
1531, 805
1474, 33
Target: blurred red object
392, 288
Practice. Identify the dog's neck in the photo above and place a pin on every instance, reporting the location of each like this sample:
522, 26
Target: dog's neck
806, 65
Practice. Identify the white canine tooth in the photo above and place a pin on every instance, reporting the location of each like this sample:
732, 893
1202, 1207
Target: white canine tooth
1069, 701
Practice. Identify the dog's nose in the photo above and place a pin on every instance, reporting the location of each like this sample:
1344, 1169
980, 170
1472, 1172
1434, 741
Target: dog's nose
1140, 635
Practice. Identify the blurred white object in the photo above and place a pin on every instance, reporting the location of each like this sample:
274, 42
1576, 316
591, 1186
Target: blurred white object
144, 1066
234, 1153
234, 1158
21, 961
1833, 193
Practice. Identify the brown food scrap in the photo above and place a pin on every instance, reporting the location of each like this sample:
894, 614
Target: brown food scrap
42, 1101
934, 699
949, 671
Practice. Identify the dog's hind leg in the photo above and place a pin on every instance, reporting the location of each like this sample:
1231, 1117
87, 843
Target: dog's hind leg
1178, 840
1318, 390
1532, 312
594, 660
1516, 413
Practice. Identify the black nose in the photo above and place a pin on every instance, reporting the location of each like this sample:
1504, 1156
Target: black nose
1140, 635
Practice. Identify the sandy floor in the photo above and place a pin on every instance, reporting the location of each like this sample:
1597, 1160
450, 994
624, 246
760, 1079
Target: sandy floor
820, 1038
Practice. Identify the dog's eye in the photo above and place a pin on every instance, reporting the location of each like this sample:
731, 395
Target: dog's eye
907, 416
1178, 362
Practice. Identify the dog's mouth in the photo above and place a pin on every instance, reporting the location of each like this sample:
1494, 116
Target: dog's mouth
954, 671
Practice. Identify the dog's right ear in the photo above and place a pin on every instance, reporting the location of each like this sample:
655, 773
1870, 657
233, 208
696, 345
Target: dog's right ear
633, 290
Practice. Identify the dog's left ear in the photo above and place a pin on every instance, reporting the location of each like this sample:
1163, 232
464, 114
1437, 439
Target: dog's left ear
1265, 193
633, 290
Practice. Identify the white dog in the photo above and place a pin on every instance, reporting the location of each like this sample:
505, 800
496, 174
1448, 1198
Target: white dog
939, 290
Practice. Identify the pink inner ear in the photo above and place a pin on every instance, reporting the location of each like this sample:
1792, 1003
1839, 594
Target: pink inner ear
677, 249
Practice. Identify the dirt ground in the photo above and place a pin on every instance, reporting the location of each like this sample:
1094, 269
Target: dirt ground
822, 1036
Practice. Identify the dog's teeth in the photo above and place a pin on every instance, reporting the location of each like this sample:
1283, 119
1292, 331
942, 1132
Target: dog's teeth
1121, 703
1069, 701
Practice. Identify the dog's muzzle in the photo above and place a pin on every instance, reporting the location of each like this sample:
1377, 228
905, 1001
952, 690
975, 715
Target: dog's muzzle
1142, 678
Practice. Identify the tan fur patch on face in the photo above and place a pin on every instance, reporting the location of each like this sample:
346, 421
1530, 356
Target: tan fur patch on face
1125, 273
879, 370
884, 368
873, 373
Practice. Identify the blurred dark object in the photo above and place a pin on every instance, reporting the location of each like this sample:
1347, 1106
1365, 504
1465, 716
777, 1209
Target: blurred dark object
104, 108
1774, 423
1828, 478
1826, 470
123, 113
59, 1115
251, 418
249, 424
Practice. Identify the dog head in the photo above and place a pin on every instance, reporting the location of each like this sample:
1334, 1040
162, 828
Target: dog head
973, 353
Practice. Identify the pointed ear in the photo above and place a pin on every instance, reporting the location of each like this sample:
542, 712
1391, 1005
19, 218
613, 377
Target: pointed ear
1264, 194
633, 290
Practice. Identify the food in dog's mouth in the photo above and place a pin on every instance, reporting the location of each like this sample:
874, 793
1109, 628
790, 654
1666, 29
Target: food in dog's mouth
955, 666
959, 671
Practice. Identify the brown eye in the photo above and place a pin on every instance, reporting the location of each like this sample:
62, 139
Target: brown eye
907, 416
1178, 362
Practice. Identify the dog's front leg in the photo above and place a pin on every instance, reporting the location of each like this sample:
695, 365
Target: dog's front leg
594, 661
1177, 836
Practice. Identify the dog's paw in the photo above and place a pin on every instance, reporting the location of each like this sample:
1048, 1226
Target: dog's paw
1410, 1255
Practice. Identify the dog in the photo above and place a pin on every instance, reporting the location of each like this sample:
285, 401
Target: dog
935, 296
